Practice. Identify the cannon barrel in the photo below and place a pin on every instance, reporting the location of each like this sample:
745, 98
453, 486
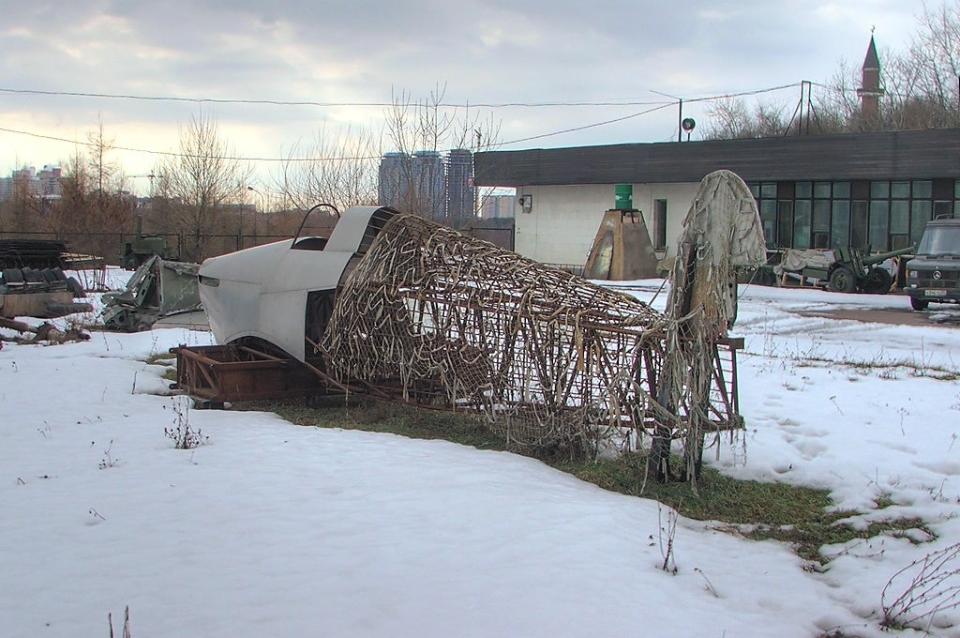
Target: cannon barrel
870, 260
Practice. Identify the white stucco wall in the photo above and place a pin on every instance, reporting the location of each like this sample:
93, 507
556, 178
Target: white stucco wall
563, 221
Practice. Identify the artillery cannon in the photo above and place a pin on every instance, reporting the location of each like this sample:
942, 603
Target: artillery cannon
852, 271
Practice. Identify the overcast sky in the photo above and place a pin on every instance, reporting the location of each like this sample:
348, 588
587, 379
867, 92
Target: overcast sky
360, 51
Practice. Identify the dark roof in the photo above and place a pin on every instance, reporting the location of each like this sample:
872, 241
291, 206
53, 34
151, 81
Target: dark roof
896, 155
871, 61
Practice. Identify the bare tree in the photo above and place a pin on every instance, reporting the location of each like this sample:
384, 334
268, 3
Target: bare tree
935, 54
921, 88
732, 119
106, 174
200, 181
428, 127
334, 168
93, 209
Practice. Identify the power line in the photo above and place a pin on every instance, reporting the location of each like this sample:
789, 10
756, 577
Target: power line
328, 159
315, 159
656, 108
853, 91
587, 126
770, 89
659, 106
236, 158
332, 104
272, 102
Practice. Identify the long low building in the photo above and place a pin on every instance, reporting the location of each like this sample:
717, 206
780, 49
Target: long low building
871, 190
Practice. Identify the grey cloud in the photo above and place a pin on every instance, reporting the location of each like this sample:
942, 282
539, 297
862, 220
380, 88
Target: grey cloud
492, 50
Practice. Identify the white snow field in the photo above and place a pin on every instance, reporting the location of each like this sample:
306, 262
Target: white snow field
272, 529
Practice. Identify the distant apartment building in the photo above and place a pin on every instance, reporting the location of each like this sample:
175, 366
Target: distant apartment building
498, 206
45, 183
461, 194
436, 187
393, 182
50, 184
429, 184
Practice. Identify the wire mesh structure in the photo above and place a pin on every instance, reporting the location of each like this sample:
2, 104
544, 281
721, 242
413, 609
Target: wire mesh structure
440, 319
722, 234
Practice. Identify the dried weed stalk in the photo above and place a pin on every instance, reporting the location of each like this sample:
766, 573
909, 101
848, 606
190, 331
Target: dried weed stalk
928, 586
182, 434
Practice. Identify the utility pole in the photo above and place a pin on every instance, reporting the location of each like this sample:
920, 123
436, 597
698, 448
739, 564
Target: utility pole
255, 211
679, 112
680, 120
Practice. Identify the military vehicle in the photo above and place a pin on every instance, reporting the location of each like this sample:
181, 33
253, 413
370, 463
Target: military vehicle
934, 274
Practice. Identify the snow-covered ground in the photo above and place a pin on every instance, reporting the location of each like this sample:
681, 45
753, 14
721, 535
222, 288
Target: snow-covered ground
274, 529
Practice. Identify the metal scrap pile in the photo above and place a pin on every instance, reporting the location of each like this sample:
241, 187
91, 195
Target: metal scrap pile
28, 292
33, 253
156, 290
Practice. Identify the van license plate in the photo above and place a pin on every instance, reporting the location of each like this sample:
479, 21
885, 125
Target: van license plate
935, 292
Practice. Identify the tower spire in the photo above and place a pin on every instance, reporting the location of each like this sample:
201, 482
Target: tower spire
870, 91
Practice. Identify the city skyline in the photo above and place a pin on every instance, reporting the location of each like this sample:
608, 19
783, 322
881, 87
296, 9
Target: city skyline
438, 185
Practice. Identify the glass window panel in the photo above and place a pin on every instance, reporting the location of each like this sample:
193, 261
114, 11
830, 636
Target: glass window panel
858, 224
956, 189
841, 190
900, 190
942, 210
768, 215
785, 224
919, 217
840, 224
768, 190
754, 189
923, 189
821, 216
956, 209
804, 189
879, 224
821, 190
879, 190
899, 241
899, 218
801, 224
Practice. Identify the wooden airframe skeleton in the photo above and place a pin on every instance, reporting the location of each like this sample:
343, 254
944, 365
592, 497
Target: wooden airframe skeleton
412, 311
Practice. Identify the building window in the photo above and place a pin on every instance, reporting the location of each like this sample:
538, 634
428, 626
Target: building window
659, 224
821, 223
879, 223
768, 216
879, 190
766, 196
878, 215
900, 190
920, 214
923, 189
840, 223
899, 211
801, 223
785, 223
858, 223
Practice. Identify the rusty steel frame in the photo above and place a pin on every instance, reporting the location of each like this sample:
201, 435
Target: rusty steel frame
240, 373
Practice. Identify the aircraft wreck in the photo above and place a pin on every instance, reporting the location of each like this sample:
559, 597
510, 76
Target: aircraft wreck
403, 309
